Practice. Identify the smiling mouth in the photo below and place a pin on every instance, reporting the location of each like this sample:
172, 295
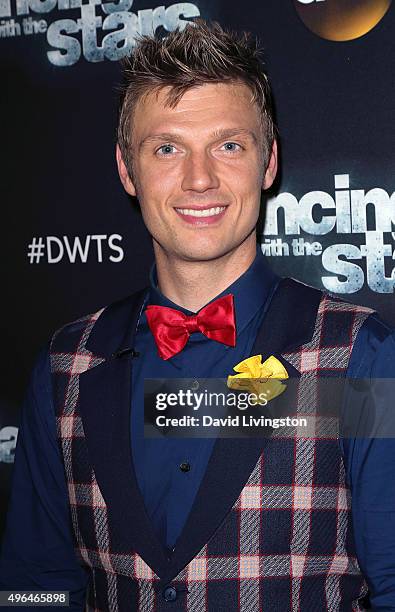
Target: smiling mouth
206, 212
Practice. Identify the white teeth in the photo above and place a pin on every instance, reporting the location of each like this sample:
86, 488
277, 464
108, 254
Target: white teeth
208, 212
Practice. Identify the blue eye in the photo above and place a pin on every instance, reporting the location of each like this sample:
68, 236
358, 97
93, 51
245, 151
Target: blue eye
231, 144
166, 149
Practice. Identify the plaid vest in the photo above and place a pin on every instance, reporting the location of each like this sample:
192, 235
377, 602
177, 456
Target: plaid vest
270, 529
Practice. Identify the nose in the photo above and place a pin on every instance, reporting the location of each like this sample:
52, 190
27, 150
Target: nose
199, 172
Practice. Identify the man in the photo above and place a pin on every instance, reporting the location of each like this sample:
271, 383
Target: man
200, 524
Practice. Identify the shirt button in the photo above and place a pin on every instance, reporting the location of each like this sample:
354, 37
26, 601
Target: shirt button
185, 466
195, 385
169, 594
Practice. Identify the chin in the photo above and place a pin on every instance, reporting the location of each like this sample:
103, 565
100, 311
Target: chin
204, 252
203, 255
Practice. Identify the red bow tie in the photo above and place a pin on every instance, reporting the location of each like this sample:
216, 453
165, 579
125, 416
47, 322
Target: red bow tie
172, 328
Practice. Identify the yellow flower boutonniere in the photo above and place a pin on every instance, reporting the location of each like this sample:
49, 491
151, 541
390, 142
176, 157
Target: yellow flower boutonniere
259, 378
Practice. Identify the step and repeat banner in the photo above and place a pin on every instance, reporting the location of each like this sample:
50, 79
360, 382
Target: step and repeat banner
73, 241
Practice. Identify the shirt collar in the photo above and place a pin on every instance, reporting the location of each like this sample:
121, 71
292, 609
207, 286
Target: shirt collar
250, 291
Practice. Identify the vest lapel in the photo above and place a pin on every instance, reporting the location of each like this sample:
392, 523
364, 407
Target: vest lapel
105, 400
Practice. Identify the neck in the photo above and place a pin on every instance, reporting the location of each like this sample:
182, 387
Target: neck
192, 284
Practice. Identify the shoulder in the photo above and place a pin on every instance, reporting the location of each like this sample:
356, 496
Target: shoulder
301, 292
376, 327
341, 322
374, 350
108, 323
74, 329
299, 298
341, 315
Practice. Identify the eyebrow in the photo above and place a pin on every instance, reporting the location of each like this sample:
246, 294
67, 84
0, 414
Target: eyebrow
217, 135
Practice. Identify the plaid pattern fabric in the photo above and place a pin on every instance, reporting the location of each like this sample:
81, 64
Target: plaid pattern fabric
287, 542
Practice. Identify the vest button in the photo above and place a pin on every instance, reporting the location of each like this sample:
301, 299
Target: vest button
195, 385
185, 466
169, 594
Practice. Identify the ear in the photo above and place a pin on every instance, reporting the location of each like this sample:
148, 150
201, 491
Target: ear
124, 174
271, 169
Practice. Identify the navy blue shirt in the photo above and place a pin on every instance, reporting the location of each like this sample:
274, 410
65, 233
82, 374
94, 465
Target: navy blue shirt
38, 551
168, 491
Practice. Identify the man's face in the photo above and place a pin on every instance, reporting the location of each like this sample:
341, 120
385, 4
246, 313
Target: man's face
199, 170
